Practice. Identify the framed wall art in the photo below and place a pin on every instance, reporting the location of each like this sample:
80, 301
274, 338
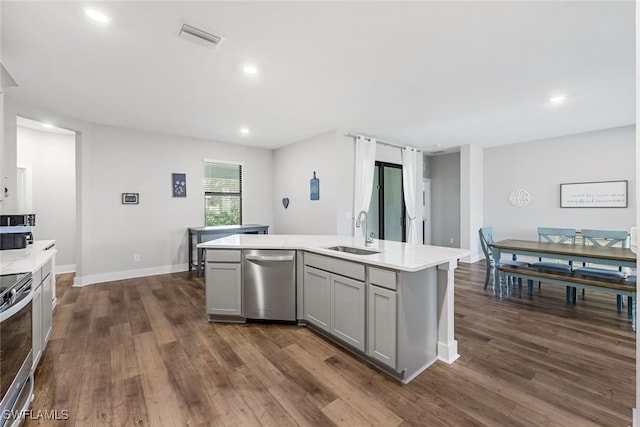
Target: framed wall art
130, 198
179, 184
314, 184
603, 194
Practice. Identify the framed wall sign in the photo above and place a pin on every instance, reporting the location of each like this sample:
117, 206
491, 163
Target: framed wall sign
604, 194
315, 187
130, 198
179, 184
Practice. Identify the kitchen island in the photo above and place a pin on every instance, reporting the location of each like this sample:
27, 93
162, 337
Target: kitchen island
390, 303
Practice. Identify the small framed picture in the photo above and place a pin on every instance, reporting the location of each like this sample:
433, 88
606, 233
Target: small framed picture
179, 184
130, 198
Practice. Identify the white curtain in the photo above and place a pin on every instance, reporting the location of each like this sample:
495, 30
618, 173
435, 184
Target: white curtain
409, 164
365, 167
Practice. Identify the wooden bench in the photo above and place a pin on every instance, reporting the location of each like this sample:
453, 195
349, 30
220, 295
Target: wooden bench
625, 287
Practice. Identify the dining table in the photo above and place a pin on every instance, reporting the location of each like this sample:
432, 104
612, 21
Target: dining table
578, 253
199, 235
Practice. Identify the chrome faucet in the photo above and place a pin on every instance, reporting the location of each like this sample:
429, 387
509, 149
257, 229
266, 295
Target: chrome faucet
368, 240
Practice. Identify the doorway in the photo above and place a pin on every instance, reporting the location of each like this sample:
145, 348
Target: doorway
46, 185
426, 211
387, 211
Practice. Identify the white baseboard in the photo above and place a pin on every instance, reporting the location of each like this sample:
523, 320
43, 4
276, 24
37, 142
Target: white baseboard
128, 274
472, 258
69, 268
448, 353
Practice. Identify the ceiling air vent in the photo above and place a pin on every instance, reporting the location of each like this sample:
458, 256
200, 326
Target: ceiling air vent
199, 36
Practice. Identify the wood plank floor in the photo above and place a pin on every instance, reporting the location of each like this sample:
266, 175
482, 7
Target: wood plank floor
140, 353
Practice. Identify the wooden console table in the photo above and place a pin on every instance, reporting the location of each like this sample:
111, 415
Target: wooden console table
203, 234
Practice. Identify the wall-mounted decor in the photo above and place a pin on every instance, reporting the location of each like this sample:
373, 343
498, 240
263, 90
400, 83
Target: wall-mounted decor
285, 202
315, 187
179, 184
519, 197
604, 194
130, 198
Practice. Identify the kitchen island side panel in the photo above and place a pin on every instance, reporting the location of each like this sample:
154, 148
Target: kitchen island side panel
417, 321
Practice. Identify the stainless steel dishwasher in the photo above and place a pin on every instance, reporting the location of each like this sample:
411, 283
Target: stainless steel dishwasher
269, 284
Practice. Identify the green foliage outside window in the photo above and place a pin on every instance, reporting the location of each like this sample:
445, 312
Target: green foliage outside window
223, 194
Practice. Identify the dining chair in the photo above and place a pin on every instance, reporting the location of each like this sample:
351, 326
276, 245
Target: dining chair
486, 238
609, 239
556, 235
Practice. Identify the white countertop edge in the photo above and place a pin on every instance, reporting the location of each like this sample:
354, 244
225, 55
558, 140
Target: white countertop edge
420, 256
27, 260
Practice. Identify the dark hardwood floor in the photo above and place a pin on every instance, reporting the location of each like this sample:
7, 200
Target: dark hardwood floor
140, 352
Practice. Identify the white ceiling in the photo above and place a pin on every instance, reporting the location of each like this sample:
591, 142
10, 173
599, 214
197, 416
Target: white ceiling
419, 73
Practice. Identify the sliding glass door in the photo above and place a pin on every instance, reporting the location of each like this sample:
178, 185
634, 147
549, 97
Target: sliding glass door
387, 210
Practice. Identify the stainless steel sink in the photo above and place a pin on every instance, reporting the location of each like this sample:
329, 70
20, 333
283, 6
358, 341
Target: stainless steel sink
354, 250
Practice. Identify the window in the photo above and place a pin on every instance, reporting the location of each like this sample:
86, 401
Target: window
222, 194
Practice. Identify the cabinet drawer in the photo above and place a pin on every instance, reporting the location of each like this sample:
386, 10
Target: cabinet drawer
337, 266
223, 255
381, 277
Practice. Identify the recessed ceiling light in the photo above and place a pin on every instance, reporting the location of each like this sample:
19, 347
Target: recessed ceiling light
244, 131
97, 15
47, 125
250, 69
558, 99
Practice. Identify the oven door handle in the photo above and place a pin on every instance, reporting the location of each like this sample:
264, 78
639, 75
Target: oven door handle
16, 307
18, 421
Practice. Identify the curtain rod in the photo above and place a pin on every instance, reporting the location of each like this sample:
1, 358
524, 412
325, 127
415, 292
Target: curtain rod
381, 142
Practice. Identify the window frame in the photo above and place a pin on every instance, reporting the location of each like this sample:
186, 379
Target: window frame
241, 165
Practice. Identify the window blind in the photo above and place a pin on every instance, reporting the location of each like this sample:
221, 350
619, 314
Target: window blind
223, 194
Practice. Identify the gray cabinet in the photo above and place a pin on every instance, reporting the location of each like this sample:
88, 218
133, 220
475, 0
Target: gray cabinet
381, 319
348, 310
224, 283
224, 289
333, 302
317, 297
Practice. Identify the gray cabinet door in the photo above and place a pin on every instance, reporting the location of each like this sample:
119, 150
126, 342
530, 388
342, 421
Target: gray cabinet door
224, 289
382, 325
47, 309
347, 310
36, 319
317, 297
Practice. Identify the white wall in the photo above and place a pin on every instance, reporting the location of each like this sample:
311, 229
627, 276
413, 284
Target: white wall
126, 161
111, 161
330, 155
471, 197
541, 166
52, 160
445, 177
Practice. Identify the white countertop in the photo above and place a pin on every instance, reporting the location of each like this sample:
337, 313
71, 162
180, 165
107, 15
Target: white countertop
393, 255
26, 260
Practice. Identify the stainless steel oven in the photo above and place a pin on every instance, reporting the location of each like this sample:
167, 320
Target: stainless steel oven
16, 357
